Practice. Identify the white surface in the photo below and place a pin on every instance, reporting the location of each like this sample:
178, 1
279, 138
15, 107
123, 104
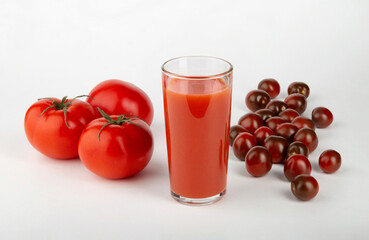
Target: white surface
57, 48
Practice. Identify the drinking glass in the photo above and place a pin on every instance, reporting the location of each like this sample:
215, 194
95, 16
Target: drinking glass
197, 92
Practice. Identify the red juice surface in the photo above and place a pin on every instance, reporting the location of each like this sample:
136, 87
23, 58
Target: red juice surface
197, 119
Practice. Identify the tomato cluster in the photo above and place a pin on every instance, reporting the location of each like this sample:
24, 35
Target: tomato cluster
276, 132
115, 143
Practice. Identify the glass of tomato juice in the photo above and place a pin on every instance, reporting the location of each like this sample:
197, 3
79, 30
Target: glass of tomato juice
197, 93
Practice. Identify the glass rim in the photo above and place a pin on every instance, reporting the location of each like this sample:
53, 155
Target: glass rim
230, 68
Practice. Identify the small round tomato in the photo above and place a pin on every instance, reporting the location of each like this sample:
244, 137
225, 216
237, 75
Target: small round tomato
286, 130
257, 99
297, 148
265, 113
304, 187
277, 147
242, 144
297, 102
277, 106
296, 165
258, 161
289, 114
251, 121
308, 137
303, 122
322, 117
271, 86
274, 122
299, 87
234, 131
53, 126
330, 161
116, 97
116, 147
262, 133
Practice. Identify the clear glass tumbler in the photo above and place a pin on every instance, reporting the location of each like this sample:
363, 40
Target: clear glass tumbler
197, 95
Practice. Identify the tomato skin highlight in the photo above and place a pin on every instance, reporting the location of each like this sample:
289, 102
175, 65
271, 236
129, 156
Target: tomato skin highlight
48, 132
122, 151
116, 97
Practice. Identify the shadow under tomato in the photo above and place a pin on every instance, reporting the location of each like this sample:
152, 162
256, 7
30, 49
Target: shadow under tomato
289, 195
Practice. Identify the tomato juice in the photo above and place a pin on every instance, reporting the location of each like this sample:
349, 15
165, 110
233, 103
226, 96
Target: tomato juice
197, 121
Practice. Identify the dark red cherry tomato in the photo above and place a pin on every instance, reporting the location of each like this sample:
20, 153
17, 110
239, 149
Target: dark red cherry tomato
234, 131
273, 122
262, 133
242, 144
330, 161
277, 106
277, 147
257, 99
303, 122
322, 117
265, 113
296, 165
297, 102
304, 187
297, 148
308, 137
251, 121
286, 130
299, 87
289, 114
271, 86
258, 161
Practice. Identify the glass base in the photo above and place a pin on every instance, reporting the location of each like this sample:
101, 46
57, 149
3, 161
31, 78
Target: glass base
198, 201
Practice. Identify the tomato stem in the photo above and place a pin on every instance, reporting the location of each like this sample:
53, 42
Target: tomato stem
122, 119
61, 105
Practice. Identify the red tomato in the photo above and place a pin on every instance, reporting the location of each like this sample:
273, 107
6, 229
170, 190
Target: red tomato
116, 97
113, 149
53, 132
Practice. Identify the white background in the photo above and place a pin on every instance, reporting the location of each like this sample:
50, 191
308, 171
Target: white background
58, 48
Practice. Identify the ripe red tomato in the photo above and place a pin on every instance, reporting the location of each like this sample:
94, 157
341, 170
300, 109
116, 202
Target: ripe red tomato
53, 132
116, 97
116, 147
296, 165
258, 161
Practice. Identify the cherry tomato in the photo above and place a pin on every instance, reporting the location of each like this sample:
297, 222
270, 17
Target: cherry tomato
303, 122
297, 148
286, 130
251, 121
308, 137
116, 97
322, 117
257, 99
299, 87
274, 122
297, 102
265, 113
277, 147
289, 114
258, 161
271, 86
116, 147
296, 165
234, 131
53, 126
330, 161
262, 133
304, 187
242, 144
277, 106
